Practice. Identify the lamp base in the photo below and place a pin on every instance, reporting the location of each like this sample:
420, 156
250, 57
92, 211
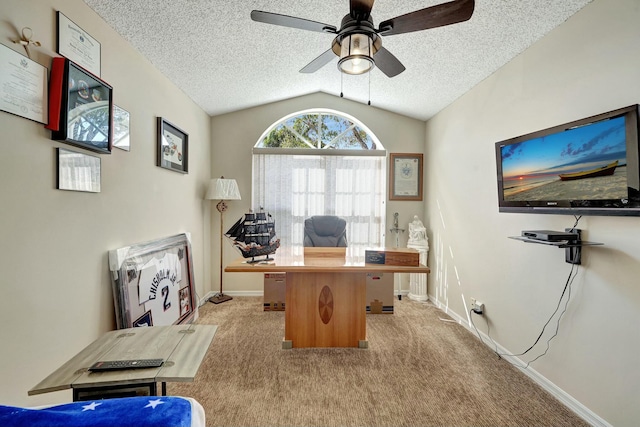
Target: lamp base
218, 298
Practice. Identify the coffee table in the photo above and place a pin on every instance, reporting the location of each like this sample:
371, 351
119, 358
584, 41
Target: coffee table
183, 348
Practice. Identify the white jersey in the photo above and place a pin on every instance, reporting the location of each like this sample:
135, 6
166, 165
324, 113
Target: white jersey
159, 288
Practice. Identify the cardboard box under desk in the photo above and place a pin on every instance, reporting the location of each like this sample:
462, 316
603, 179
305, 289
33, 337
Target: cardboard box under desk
393, 256
274, 291
379, 293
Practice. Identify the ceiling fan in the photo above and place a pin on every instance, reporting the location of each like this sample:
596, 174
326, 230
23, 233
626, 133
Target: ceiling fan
359, 44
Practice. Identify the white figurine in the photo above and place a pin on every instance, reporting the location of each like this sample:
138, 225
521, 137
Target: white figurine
417, 233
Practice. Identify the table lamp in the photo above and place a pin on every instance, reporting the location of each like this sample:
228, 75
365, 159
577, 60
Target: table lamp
222, 189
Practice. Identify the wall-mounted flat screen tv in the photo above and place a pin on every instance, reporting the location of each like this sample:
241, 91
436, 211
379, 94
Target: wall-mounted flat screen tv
586, 167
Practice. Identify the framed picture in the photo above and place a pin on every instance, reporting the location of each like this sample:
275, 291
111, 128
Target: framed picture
173, 147
75, 44
121, 128
153, 283
80, 107
78, 171
405, 176
23, 86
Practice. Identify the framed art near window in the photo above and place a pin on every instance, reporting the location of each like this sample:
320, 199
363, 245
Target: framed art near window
173, 147
405, 176
80, 107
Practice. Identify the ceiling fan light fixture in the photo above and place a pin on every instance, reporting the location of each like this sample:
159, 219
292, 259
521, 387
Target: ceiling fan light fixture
356, 54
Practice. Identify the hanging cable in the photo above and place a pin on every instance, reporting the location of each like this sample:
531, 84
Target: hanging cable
369, 103
566, 291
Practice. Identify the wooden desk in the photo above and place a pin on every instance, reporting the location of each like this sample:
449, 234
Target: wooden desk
325, 300
181, 346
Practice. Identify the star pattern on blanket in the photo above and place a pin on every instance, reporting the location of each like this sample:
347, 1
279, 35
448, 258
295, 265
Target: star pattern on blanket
139, 411
154, 403
91, 407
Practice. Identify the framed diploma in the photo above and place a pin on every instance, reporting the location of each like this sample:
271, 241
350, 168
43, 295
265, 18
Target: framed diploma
75, 44
173, 147
23, 86
405, 176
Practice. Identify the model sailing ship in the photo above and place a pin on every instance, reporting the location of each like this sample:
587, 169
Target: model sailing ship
255, 235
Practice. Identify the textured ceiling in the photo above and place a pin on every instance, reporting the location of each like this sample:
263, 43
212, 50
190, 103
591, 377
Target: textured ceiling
225, 62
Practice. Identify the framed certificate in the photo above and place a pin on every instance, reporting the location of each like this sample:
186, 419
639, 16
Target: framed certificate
75, 44
405, 176
23, 86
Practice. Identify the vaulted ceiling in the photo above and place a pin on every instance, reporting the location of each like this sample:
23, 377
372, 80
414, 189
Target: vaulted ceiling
225, 62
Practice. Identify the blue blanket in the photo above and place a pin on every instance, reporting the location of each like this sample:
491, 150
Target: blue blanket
147, 411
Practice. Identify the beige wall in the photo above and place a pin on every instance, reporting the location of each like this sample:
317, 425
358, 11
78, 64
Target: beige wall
235, 134
588, 65
55, 290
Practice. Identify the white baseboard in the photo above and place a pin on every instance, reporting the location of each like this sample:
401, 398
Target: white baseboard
565, 398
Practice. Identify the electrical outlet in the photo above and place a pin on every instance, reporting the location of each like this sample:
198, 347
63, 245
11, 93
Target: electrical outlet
476, 306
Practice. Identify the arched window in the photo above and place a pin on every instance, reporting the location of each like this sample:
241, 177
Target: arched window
321, 162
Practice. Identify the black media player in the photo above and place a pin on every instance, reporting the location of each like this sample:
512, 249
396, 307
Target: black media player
549, 235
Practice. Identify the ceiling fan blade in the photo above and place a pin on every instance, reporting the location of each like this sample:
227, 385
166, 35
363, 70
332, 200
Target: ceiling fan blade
360, 8
387, 63
319, 62
292, 22
430, 17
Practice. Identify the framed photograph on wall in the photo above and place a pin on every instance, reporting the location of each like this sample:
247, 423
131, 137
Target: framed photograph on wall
173, 147
78, 171
80, 107
405, 176
153, 283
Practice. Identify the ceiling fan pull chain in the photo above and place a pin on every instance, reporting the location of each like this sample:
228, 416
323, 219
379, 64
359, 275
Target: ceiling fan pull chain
369, 103
341, 75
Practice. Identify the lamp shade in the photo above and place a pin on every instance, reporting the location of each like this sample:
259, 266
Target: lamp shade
356, 54
223, 189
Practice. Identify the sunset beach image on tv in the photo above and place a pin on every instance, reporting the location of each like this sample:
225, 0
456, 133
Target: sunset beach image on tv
584, 163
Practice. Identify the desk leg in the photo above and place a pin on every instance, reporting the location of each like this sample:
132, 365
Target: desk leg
325, 309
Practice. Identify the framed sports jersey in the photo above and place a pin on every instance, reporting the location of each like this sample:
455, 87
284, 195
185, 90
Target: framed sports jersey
153, 283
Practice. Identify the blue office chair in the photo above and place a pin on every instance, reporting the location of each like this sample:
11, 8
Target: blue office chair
325, 231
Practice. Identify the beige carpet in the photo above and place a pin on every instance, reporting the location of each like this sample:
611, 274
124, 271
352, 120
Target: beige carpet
417, 371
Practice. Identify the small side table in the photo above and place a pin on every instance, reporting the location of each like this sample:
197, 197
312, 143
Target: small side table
183, 348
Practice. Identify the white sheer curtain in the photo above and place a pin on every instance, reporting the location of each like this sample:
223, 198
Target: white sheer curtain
293, 187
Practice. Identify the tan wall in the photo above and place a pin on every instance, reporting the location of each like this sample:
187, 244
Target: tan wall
55, 290
235, 134
588, 65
